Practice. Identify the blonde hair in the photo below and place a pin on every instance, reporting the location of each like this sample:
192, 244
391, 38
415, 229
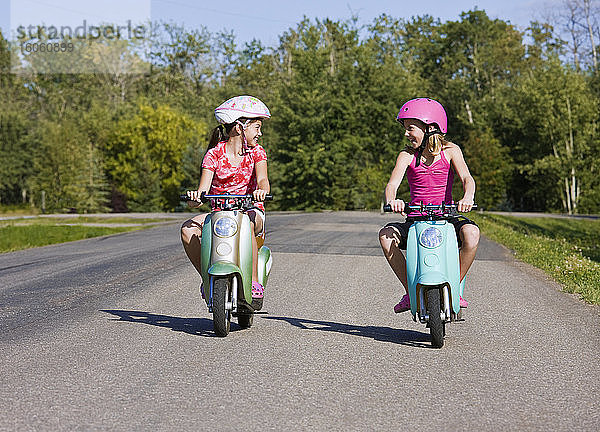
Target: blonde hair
435, 144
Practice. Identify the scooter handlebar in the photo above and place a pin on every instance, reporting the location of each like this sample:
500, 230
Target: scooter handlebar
204, 197
231, 196
431, 207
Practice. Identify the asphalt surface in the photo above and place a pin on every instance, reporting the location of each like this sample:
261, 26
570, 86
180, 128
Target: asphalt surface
111, 334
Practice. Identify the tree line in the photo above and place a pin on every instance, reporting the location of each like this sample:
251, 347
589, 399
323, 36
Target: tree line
523, 106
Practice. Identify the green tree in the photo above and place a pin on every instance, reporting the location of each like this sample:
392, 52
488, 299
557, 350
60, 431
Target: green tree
490, 166
15, 154
302, 162
66, 169
333, 138
527, 122
5, 63
15, 129
144, 156
556, 153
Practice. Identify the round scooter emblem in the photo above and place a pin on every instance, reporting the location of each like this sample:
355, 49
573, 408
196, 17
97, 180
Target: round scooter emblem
431, 237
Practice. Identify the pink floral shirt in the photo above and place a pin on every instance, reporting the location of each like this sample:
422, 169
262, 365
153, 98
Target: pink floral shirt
227, 178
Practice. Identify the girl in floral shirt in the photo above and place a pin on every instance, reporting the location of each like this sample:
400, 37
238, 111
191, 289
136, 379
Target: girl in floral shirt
236, 164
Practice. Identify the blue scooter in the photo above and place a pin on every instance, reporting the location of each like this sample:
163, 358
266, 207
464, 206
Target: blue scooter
433, 268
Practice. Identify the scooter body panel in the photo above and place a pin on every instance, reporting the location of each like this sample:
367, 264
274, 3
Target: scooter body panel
264, 265
432, 260
205, 250
227, 255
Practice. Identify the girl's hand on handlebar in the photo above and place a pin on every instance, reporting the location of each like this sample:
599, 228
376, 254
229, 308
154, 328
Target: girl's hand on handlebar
259, 194
195, 199
465, 205
397, 206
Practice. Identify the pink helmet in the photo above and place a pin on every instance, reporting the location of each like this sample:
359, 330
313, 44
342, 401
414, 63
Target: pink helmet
427, 110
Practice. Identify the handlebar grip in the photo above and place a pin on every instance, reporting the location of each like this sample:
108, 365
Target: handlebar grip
187, 198
387, 208
268, 197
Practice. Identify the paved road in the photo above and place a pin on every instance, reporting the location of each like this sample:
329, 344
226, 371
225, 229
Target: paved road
110, 334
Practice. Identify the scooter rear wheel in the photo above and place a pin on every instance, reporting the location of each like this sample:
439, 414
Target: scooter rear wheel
436, 326
221, 314
245, 320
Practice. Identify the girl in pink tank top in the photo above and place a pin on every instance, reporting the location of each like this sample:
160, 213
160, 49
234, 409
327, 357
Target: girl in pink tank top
430, 184
430, 163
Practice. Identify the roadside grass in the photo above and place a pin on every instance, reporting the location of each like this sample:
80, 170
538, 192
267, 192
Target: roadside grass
17, 237
17, 210
76, 220
28, 232
566, 249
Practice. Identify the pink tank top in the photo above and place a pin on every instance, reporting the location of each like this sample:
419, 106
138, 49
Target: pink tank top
430, 184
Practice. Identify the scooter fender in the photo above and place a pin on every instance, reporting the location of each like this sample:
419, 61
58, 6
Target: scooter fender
220, 269
223, 268
432, 266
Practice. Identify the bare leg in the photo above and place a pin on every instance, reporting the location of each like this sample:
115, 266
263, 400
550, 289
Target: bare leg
256, 224
389, 239
191, 235
254, 256
469, 235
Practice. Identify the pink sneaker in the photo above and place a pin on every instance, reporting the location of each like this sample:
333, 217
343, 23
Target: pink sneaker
258, 291
463, 303
403, 305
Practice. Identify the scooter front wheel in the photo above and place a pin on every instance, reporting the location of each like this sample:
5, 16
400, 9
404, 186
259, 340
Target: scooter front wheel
221, 303
436, 326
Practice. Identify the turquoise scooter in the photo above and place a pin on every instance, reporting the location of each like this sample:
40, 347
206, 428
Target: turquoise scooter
433, 268
226, 261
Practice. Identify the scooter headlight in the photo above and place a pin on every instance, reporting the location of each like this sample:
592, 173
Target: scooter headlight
431, 237
225, 227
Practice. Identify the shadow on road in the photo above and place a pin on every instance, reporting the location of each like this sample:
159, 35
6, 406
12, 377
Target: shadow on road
193, 326
383, 334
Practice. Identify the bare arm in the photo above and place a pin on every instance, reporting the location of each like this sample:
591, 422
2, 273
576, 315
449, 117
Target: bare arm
205, 180
402, 162
262, 180
462, 170
204, 186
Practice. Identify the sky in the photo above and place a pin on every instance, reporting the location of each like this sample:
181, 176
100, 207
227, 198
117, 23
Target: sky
264, 20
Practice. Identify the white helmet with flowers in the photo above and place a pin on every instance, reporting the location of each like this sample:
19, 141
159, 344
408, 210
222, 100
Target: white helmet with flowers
247, 107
